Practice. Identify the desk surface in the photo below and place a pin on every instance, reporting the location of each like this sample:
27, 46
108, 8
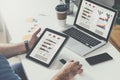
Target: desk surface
104, 71
16, 13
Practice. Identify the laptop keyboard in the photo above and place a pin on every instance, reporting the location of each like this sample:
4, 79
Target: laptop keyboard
82, 37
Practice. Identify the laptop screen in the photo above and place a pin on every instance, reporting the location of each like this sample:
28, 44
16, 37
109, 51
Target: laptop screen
96, 18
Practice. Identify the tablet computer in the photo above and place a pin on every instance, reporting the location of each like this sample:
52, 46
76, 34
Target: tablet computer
47, 47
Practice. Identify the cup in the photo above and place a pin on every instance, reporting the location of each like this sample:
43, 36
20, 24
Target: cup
61, 11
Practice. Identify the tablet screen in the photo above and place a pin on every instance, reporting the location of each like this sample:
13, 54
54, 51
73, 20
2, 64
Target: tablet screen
47, 46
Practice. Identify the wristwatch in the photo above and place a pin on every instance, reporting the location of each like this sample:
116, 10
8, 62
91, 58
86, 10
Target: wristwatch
26, 46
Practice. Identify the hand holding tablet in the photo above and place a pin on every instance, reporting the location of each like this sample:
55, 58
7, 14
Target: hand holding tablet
47, 47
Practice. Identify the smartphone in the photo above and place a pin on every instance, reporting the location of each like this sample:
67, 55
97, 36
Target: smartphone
98, 58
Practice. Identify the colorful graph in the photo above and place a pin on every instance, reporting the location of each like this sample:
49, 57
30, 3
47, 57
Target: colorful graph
103, 19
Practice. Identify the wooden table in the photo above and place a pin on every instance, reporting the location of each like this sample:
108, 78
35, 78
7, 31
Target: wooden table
115, 37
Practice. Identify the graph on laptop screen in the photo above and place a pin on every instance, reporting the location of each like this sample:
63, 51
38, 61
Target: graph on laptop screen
95, 18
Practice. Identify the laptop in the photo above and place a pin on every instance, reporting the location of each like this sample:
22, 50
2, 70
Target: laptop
91, 28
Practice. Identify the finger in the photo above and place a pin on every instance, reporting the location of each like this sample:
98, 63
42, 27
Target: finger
80, 71
77, 62
79, 66
71, 61
37, 31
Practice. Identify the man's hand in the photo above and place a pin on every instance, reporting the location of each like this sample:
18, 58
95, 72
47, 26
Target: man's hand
34, 37
69, 70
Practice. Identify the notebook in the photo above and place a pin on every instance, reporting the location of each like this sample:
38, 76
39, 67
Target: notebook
91, 28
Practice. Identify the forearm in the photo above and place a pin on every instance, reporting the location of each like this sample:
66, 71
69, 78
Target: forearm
10, 50
68, 71
60, 76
